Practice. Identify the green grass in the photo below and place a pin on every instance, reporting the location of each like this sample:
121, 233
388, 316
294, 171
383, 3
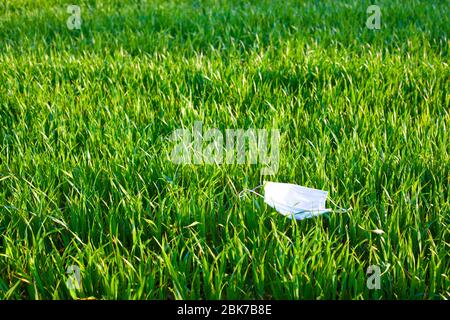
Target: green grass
85, 179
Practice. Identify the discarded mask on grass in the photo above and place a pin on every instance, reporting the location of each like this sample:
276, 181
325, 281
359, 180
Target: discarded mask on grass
294, 201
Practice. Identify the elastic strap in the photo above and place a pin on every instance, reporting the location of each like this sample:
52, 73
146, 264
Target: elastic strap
245, 191
340, 209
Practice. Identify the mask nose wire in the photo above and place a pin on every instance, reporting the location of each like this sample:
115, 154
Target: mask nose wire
243, 192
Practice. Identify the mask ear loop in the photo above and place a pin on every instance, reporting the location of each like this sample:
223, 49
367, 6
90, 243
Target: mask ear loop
243, 192
341, 210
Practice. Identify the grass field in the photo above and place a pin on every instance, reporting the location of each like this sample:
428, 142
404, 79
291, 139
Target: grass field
86, 180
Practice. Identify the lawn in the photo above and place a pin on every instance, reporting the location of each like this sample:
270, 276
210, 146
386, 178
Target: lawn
92, 205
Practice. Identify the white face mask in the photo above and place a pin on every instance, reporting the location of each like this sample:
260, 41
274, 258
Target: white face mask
295, 201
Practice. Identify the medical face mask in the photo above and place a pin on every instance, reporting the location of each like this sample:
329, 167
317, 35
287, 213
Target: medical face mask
294, 201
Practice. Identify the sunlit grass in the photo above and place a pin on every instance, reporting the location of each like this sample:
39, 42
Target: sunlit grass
85, 178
